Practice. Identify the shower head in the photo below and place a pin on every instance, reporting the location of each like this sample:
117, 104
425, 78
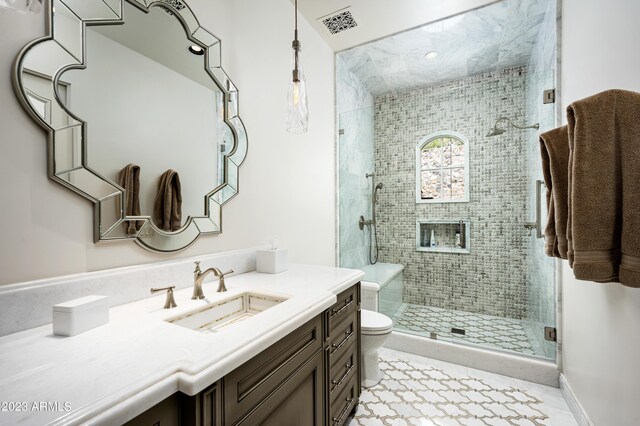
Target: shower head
379, 186
495, 130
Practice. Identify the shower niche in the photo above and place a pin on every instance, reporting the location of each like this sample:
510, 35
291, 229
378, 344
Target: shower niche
444, 236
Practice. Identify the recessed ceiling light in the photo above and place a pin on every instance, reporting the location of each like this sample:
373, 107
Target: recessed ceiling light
431, 55
196, 50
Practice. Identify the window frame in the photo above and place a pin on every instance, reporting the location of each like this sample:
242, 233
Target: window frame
420, 145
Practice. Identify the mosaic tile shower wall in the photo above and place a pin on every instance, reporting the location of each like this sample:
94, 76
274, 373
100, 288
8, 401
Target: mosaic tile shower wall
492, 279
541, 76
355, 159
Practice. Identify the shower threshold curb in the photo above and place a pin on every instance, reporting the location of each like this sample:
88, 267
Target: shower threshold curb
517, 366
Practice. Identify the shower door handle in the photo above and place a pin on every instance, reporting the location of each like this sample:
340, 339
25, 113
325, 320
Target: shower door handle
537, 225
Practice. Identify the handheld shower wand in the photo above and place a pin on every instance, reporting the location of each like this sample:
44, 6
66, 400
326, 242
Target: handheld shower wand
375, 193
373, 229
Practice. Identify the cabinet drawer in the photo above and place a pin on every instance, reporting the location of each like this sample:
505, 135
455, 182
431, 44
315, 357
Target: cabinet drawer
259, 377
343, 336
346, 304
341, 371
344, 403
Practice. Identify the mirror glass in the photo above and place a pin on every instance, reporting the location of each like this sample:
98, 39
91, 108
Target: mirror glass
143, 120
149, 102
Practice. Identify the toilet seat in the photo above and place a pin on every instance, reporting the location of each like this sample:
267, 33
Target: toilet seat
374, 323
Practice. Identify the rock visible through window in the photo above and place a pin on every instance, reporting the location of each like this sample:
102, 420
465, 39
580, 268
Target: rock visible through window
442, 169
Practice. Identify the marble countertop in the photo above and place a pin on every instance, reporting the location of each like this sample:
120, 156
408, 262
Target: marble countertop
112, 373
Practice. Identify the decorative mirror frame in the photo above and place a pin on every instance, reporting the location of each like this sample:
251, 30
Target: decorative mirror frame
68, 47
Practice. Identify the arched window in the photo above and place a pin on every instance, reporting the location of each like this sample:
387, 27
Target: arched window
442, 168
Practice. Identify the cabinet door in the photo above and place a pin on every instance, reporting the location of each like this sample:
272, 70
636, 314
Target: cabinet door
166, 413
298, 402
247, 386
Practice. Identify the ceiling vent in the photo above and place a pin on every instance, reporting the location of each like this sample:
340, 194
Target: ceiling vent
339, 21
177, 5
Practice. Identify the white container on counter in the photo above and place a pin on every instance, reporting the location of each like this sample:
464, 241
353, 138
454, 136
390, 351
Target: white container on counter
271, 261
79, 315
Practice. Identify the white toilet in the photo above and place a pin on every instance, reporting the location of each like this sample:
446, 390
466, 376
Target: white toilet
376, 328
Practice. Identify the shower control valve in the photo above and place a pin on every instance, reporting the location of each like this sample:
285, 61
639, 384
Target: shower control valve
364, 222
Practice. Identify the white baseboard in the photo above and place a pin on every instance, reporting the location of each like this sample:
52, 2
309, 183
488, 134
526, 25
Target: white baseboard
574, 405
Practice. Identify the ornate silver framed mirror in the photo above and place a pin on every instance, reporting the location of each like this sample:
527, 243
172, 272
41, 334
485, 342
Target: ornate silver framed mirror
142, 119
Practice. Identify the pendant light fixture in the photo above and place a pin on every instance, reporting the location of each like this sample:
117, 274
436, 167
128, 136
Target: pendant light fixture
297, 110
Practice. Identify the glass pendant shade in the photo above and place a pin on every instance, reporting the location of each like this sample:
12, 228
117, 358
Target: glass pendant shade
33, 6
297, 110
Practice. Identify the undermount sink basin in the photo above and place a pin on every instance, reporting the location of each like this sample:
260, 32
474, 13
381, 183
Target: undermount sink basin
219, 314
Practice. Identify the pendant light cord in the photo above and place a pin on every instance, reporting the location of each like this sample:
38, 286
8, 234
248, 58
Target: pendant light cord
296, 46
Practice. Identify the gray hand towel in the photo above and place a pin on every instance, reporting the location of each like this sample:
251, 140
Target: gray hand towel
554, 148
167, 211
129, 179
604, 187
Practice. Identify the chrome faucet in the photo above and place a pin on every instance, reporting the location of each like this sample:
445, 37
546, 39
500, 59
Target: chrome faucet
198, 277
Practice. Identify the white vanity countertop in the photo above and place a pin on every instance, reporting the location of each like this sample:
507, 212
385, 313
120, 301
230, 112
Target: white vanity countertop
110, 374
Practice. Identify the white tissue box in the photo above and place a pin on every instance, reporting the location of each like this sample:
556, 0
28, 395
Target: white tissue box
79, 315
271, 261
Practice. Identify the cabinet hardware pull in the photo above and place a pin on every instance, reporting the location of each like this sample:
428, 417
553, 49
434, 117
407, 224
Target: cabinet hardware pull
337, 383
338, 420
339, 345
337, 312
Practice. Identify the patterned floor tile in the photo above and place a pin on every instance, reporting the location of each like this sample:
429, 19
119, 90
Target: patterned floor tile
485, 330
437, 394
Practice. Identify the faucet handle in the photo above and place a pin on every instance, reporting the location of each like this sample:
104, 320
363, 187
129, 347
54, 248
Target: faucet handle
169, 302
221, 286
197, 262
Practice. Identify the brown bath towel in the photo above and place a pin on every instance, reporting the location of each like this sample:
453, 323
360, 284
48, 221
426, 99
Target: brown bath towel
604, 190
129, 179
554, 148
167, 211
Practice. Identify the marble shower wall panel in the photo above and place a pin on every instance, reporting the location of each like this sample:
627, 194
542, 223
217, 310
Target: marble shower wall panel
355, 159
495, 37
541, 268
492, 279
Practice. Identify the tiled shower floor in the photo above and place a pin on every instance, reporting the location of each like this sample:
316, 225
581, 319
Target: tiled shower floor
484, 330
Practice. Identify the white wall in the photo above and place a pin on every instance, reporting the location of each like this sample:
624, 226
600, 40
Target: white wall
286, 183
601, 322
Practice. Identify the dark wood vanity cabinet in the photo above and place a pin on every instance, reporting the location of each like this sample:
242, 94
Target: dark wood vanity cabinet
166, 413
342, 354
311, 377
282, 385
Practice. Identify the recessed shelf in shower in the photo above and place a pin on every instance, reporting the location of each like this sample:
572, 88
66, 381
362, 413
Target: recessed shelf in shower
444, 236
